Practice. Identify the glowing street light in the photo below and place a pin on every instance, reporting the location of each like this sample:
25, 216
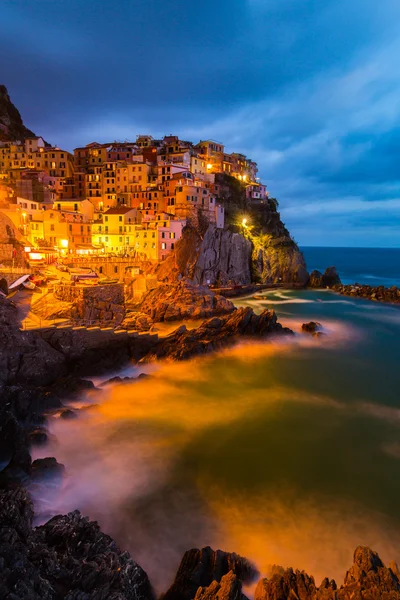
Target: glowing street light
244, 222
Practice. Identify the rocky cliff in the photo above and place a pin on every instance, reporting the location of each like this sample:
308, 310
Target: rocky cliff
262, 252
11, 124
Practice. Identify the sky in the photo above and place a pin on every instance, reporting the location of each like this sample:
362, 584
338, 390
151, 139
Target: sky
309, 89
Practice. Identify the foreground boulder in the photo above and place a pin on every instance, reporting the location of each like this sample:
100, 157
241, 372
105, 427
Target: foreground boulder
200, 568
217, 333
183, 300
68, 557
329, 278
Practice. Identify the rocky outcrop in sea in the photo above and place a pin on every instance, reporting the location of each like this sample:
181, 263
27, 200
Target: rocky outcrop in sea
328, 279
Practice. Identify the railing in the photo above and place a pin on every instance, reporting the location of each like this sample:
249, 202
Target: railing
15, 270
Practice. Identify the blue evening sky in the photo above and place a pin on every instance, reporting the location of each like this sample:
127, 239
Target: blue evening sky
310, 89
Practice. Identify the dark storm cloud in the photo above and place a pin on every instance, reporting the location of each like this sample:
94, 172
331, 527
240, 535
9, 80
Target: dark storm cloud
308, 89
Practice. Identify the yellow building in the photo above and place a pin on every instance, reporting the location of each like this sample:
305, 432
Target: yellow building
113, 230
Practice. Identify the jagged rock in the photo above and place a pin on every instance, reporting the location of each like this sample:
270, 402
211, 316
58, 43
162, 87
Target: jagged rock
183, 300
367, 579
329, 278
200, 568
229, 588
369, 573
216, 333
291, 584
68, 557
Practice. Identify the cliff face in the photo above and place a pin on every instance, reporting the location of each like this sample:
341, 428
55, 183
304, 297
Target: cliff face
260, 251
11, 124
225, 256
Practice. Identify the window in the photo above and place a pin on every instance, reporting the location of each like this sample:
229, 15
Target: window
52, 227
115, 269
120, 240
163, 246
120, 219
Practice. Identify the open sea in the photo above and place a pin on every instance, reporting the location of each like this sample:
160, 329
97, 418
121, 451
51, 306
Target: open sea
286, 451
372, 266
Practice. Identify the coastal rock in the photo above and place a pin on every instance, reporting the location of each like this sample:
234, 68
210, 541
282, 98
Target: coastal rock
229, 588
46, 468
183, 300
290, 584
68, 557
200, 568
367, 579
368, 572
377, 293
278, 260
216, 333
224, 258
24, 357
329, 278
312, 327
68, 414
137, 321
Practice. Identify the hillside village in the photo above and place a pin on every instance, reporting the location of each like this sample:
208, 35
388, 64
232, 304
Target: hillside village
122, 199
139, 216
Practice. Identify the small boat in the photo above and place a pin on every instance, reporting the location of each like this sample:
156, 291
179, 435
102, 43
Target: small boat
29, 285
20, 281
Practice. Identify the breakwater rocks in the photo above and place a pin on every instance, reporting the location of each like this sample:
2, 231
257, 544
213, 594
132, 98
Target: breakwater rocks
379, 293
71, 558
217, 333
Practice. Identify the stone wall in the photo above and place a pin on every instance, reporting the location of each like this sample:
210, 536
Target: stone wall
103, 303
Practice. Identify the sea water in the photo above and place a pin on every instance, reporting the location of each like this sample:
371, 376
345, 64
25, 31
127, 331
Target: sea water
286, 451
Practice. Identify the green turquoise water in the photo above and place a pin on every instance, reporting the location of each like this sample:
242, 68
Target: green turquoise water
286, 451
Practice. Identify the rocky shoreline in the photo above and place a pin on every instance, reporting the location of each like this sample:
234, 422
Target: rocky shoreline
376, 293
71, 558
